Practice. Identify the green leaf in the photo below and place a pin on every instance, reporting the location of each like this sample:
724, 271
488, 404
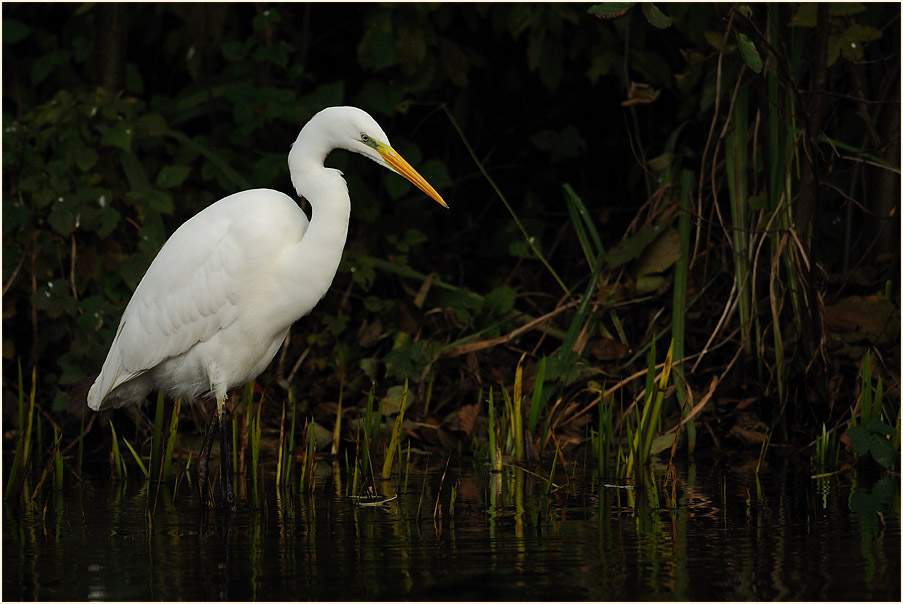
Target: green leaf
159, 201
234, 51
883, 451
749, 53
860, 440
380, 96
108, 221
633, 246
715, 39
454, 61
435, 173
63, 216
876, 426
845, 9
610, 10
46, 63
805, 15
655, 17
85, 158
14, 30
154, 124
118, 135
172, 176
500, 300
561, 145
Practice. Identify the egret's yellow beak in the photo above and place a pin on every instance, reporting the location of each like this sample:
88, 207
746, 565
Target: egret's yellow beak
399, 165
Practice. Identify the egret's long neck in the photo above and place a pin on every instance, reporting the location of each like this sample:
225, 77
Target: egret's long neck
313, 261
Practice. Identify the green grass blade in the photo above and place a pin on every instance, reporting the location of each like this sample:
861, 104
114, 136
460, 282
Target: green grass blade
679, 310
20, 442
517, 420
536, 401
141, 465
116, 457
570, 338
495, 453
527, 237
171, 439
396, 434
587, 235
156, 465
865, 389
57, 460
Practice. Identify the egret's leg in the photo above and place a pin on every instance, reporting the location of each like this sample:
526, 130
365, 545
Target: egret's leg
225, 440
204, 459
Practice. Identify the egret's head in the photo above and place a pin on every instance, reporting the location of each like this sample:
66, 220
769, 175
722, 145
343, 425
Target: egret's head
353, 129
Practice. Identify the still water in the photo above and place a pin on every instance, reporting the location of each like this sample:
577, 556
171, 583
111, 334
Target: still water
459, 532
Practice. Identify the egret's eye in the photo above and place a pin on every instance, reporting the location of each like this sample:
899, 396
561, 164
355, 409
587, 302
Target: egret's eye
364, 137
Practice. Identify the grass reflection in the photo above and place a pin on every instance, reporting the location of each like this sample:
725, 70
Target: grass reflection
499, 535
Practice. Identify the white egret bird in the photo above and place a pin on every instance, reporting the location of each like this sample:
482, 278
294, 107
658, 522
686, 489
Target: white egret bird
218, 300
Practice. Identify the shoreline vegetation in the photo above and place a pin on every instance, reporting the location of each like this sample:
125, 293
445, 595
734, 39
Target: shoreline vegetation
674, 231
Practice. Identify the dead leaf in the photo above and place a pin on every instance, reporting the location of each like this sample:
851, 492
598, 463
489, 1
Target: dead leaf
640, 94
872, 319
606, 349
467, 417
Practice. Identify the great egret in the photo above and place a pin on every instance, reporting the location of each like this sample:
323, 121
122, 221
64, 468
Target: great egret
219, 298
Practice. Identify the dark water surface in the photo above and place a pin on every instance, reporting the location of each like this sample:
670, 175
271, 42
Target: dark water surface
725, 537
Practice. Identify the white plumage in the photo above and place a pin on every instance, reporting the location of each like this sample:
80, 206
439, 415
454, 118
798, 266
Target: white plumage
217, 301
219, 298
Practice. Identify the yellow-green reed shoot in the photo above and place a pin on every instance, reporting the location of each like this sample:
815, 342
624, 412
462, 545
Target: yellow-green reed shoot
451, 501
547, 488
536, 401
422, 495
337, 429
116, 457
254, 441
407, 468
865, 389
19, 457
437, 509
762, 451
81, 446
650, 417
495, 453
826, 451
57, 460
308, 459
29, 421
186, 475
50, 465
137, 457
517, 421
507, 422
654, 417
280, 452
311, 456
291, 436
171, 439
355, 479
603, 446
248, 397
156, 460
396, 434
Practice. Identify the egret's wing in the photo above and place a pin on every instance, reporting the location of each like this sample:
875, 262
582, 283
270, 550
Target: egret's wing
187, 295
195, 286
